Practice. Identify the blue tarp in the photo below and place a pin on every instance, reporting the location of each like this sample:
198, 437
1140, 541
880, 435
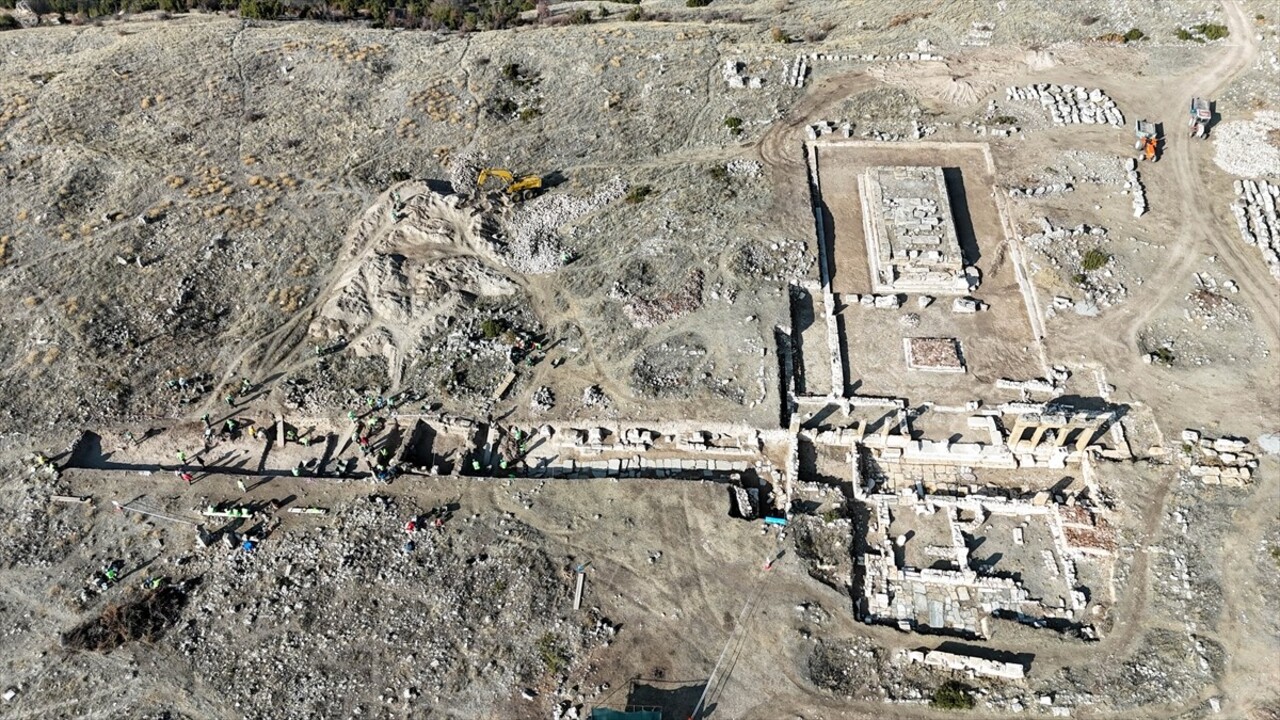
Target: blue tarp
607, 714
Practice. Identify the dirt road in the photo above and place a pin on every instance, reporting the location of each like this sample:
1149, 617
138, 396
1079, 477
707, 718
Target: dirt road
1191, 160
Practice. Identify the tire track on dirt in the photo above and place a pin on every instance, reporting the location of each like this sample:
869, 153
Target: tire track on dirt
1188, 173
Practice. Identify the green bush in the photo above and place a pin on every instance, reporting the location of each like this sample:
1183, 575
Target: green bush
260, 9
9, 22
552, 654
1163, 355
1182, 34
1212, 31
1095, 259
529, 113
504, 108
696, 3
734, 124
638, 193
952, 695
1134, 34
491, 328
580, 17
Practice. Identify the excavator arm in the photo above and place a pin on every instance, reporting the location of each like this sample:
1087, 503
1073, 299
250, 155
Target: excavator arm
486, 173
522, 189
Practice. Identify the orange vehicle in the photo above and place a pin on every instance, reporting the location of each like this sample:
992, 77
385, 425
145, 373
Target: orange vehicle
1148, 143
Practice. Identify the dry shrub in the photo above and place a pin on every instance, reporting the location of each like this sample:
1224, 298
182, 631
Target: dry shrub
145, 618
904, 18
1209, 299
288, 299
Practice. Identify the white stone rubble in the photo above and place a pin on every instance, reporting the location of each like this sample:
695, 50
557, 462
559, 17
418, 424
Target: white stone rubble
1241, 147
1041, 190
1134, 184
1070, 104
534, 246
735, 75
797, 72
1255, 214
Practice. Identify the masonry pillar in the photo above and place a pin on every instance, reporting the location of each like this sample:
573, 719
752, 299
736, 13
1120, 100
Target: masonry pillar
1082, 442
1038, 435
1015, 435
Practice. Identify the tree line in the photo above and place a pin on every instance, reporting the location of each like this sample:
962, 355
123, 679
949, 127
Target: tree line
459, 15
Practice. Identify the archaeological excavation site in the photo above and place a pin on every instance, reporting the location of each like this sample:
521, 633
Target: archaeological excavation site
640, 359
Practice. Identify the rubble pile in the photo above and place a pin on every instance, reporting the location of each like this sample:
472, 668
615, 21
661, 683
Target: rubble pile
1218, 461
46, 537
1041, 190
543, 400
851, 668
781, 260
1210, 307
916, 131
477, 587
463, 169
735, 76
1070, 104
681, 366
967, 305
794, 74
992, 117
980, 34
826, 127
1241, 147
1093, 167
920, 53
593, 396
1255, 213
396, 291
533, 246
934, 353
983, 129
884, 302
824, 548
743, 168
1134, 184
919, 131
648, 312
1065, 249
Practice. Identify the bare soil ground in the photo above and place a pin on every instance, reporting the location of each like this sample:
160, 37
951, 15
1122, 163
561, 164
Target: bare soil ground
179, 200
996, 343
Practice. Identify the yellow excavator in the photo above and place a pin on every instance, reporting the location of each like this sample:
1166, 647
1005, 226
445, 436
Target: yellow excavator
521, 189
